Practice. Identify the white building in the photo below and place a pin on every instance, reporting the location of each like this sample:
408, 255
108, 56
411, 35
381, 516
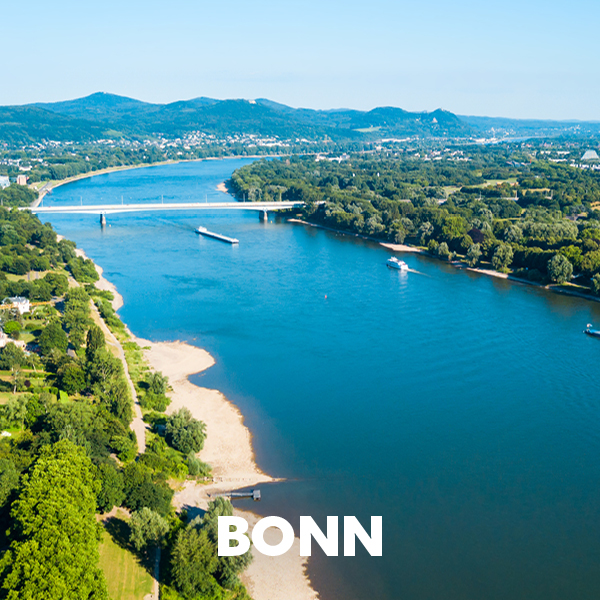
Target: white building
4, 339
590, 155
21, 304
4, 181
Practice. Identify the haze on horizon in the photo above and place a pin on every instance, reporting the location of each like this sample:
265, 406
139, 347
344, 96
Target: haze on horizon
522, 59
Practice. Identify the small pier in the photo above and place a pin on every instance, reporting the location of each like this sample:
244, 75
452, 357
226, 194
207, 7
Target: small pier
254, 494
216, 236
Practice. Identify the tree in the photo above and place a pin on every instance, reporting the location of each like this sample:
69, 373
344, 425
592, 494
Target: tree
228, 567
141, 491
54, 550
11, 357
513, 234
94, 342
59, 284
9, 479
560, 269
71, 378
502, 257
185, 433
595, 284
157, 383
473, 255
112, 491
425, 232
52, 337
12, 329
193, 562
443, 251
148, 528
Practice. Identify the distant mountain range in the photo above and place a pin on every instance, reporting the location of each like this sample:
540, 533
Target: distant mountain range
103, 115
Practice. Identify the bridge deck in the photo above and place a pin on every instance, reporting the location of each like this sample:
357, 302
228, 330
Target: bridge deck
109, 209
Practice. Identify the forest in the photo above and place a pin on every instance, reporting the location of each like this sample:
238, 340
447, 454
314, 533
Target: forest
67, 453
503, 207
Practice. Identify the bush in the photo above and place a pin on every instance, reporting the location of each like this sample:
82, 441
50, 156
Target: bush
595, 284
185, 433
52, 337
112, 491
154, 402
12, 329
443, 251
560, 269
197, 468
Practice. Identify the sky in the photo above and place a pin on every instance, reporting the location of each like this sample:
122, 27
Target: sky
520, 59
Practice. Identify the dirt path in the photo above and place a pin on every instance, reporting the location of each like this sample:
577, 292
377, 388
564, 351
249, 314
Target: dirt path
137, 425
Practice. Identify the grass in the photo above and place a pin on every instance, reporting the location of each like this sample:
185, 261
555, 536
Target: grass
126, 578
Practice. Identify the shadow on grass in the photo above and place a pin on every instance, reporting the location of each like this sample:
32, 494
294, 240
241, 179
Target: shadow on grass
120, 532
193, 512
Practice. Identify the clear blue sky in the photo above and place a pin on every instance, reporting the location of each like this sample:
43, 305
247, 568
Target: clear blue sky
514, 58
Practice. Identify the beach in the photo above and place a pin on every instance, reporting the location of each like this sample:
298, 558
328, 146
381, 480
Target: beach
228, 449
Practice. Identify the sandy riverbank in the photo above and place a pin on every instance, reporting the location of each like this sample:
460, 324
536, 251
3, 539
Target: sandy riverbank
228, 449
394, 247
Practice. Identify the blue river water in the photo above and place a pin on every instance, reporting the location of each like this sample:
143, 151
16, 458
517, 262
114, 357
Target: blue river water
464, 409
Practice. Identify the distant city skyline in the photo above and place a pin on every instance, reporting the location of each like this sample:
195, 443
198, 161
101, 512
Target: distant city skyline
528, 59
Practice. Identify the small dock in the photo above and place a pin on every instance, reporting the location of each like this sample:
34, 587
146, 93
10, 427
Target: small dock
254, 494
216, 236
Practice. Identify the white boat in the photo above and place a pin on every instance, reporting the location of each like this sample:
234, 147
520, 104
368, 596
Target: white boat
396, 263
216, 236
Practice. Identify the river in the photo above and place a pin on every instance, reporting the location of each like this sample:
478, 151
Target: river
464, 409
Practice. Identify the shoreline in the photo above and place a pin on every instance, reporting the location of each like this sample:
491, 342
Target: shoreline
52, 184
228, 449
554, 288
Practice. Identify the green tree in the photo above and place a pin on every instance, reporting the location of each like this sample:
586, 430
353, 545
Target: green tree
52, 337
502, 257
112, 492
229, 567
443, 251
193, 563
148, 528
11, 357
425, 232
473, 255
71, 378
9, 479
141, 491
560, 269
595, 284
157, 383
54, 551
185, 433
94, 342
12, 329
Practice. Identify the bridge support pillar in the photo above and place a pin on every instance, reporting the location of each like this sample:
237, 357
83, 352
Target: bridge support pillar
102, 220
263, 216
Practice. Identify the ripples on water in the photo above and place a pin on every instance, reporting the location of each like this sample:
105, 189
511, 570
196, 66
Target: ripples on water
462, 408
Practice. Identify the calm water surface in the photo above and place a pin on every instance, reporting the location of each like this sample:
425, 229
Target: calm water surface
461, 408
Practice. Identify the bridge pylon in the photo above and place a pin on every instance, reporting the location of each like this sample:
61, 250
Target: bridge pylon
102, 219
263, 215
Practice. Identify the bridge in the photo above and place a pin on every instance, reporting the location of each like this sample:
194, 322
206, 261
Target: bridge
111, 209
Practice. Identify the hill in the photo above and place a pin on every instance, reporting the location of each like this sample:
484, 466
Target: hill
102, 115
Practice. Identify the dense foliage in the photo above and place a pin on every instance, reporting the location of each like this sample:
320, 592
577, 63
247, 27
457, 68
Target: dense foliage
498, 204
67, 406
54, 550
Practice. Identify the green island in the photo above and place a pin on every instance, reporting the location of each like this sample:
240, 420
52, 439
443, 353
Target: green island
84, 513
516, 209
